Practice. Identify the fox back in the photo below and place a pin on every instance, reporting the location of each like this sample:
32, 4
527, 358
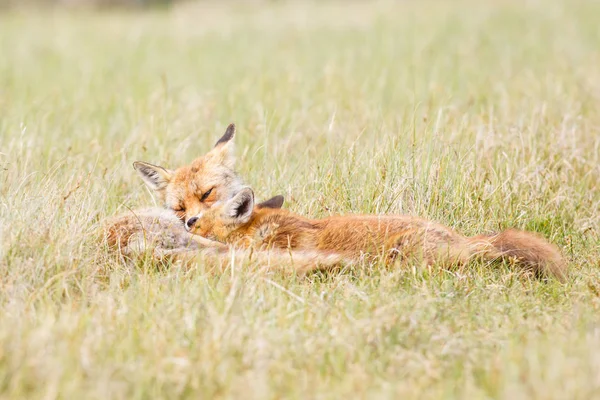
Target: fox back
237, 221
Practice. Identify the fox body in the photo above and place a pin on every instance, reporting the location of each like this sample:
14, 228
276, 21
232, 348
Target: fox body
150, 229
160, 234
238, 222
185, 192
159, 230
208, 198
193, 188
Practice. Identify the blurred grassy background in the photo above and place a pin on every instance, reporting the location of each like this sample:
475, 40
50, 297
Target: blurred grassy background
477, 114
87, 3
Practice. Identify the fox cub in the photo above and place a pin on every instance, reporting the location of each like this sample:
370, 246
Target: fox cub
160, 231
160, 234
184, 192
238, 221
190, 189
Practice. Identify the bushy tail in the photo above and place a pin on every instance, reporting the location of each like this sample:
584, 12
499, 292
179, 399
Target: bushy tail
528, 249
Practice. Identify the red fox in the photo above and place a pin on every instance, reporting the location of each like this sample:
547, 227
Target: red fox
161, 231
238, 222
193, 188
160, 234
184, 192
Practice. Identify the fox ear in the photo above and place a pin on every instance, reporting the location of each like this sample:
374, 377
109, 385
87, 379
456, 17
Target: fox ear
273, 202
222, 153
227, 136
157, 178
241, 206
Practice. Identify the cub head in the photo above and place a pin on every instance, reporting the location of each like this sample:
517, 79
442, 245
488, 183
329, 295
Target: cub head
222, 219
194, 188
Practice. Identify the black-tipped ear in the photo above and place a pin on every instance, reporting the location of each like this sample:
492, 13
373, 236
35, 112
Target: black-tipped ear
273, 202
157, 178
222, 153
241, 206
229, 134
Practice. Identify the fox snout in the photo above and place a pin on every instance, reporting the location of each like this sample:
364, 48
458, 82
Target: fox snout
190, 223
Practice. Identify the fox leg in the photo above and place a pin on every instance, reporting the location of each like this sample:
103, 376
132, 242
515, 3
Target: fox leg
433, 247
401, 246
207, 243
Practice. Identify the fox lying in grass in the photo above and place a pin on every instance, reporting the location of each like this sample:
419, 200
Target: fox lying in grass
193, 188
207, 197
161, 231
160, 234
186, 192
395, 237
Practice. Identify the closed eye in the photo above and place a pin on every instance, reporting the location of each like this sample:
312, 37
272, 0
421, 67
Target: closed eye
206, 194
179, 211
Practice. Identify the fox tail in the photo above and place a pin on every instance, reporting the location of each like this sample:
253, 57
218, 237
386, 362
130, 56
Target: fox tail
529, 250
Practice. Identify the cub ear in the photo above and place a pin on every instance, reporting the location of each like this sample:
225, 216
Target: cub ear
273, 202
157, 178
241, 206
222, 153
227, 136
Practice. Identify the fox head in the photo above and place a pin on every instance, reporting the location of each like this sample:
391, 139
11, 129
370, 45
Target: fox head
194, 188
221, 220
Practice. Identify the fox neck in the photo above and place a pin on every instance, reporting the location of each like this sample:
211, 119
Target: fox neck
275, 228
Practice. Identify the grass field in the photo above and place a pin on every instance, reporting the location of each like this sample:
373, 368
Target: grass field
478, 114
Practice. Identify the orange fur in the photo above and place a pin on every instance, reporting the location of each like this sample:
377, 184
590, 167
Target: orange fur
193, 188
160, 234
352, 237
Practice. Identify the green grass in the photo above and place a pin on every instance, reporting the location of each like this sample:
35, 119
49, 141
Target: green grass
478, 114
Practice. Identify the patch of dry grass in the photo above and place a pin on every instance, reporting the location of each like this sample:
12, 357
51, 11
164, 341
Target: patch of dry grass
480, 115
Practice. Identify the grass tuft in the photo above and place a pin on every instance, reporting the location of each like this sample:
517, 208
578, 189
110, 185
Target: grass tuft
480, 115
